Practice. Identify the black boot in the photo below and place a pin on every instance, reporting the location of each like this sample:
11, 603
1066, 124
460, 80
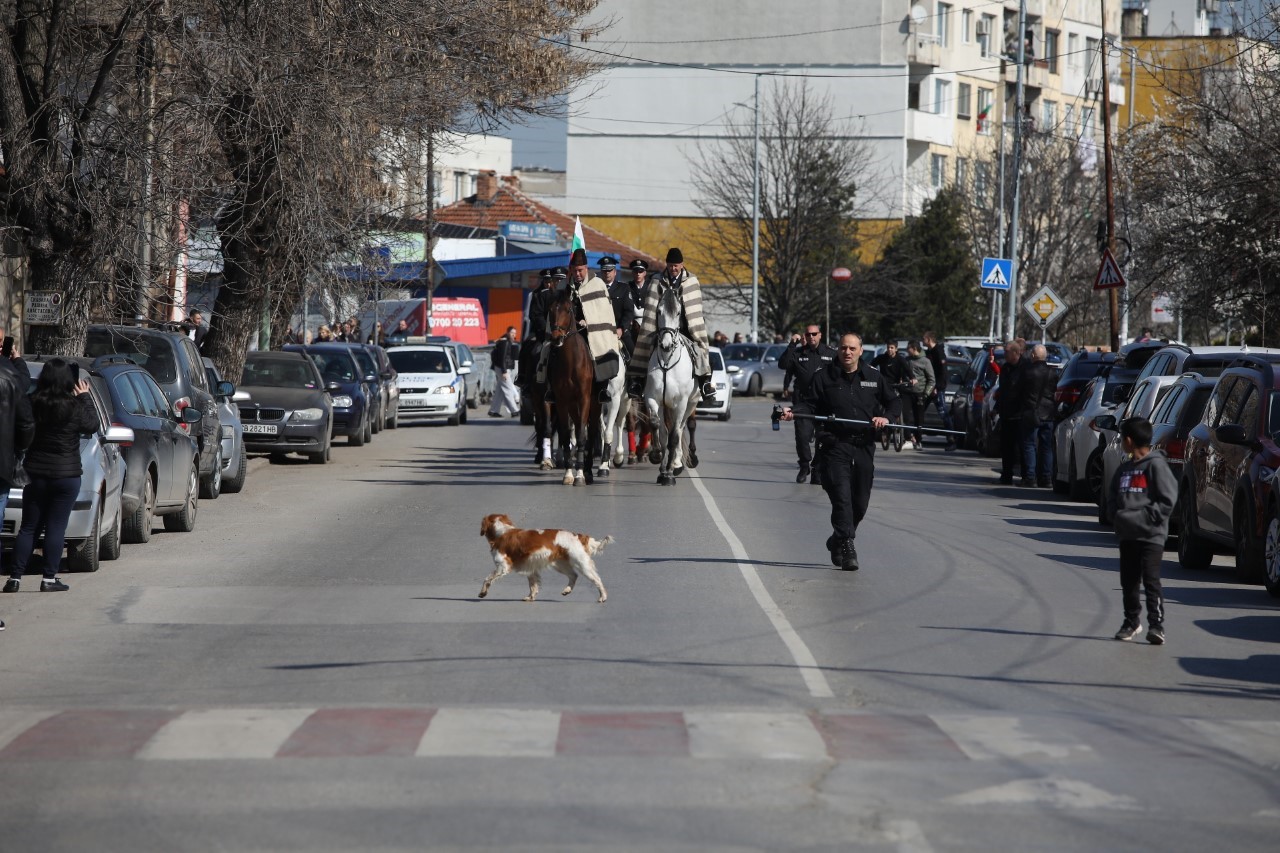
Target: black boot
833, 546
635, 388
602, 392
803, 475
709, 393
848, 556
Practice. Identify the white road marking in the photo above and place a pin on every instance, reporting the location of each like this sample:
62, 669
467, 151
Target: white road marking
908, 836
14, 722
491, 731
220, 733
716, 734
805, 661
987, 738
1049, 791
1256, 740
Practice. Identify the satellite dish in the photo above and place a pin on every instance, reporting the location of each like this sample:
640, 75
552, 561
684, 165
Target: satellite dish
919, 14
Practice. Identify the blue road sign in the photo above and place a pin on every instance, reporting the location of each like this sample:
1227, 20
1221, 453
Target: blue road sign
996, 273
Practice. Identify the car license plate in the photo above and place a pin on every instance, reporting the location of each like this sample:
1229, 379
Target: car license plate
413, 404
262, 429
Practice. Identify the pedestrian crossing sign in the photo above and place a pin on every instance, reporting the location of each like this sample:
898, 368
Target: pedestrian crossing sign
1109, 274
996, 273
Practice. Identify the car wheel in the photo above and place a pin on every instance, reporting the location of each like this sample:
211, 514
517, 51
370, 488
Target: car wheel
724, 416
1060, 486
394, 422
137, 527
1093, 476
1104, 517
1193, 552
456, 418
357, 439
1077, 488
462, 415
185, 521
85, 555
1249, 557
109, 549
368, 431
1271, 552
211, 486
233, 484
753, 385
320, 458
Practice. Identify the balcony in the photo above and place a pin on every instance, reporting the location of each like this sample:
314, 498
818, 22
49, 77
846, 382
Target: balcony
930, 127
1036, 76
924, 49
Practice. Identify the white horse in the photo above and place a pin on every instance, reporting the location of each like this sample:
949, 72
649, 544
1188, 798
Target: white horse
670, 392
614, 423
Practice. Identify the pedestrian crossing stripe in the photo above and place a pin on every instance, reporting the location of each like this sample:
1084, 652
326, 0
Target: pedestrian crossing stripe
996, 278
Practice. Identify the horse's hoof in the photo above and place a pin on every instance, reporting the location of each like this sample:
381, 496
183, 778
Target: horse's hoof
603, 472
568, 480
655, 456
579, 481
546, 465
693, 460
631, 460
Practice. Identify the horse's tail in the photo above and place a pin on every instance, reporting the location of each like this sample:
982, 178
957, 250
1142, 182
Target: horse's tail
595, 546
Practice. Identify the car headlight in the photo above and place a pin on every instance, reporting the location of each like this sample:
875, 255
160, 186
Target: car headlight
311, 414
443, 389
342, 401
228, 431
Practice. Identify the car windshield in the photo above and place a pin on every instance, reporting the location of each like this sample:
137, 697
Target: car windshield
148, 351
419, 361
1116, 391
365, 360
278, 373
744, 352
334, 366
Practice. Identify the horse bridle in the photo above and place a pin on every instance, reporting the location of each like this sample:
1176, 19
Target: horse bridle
565, 331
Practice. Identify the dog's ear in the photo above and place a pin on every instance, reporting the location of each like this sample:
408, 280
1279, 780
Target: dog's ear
486, 525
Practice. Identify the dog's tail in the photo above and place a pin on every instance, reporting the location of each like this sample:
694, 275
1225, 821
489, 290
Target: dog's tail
595, 546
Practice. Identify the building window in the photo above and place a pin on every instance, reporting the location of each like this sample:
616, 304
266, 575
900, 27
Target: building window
913, 95
986, 117
966, 26
937, 171
942, 97
987, 34
964, 101
1069, 119
1048, 116
944, 24
962, 172
981, 179
1086, 123
459, 185
1090, 52
1073, 51
1051, 50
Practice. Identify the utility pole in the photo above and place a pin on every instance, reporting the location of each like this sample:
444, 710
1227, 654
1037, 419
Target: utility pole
997, 319
428, 256
1113, 297
755, 225
1020, 108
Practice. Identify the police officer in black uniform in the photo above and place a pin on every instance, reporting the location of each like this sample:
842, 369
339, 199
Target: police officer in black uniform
624, 310
639, 287
849, 388
539, 301
801, 361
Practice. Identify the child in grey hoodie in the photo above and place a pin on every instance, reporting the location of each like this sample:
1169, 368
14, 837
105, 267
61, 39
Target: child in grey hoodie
1141, 500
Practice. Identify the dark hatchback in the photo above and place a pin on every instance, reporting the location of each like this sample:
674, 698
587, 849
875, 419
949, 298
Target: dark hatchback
380, 373
352, 395
161, 464
289, 410
1080, 369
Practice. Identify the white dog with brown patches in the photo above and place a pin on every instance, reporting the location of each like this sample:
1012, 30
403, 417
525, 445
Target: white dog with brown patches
528, 552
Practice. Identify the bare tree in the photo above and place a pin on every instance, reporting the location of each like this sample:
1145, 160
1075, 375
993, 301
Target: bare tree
812, 171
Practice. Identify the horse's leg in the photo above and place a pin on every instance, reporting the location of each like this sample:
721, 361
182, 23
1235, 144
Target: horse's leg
655, 428
693, 431
675, 439
565, 432
582, 447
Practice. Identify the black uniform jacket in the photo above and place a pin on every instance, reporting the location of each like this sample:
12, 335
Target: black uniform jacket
860, 395
539, 303
624, 310
801, 363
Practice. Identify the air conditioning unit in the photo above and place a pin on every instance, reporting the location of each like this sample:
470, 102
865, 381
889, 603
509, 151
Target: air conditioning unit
983, 28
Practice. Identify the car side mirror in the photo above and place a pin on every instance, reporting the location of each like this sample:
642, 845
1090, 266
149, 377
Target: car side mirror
118, 435
464, 370
770, 360
333, 387
241, 397
226, 389
371, 378
191, 415
733, 368
1102, 422
1232, 434
386, 374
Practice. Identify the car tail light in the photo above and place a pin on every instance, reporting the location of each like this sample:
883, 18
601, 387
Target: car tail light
178, 405
1176, 448
979, 393
123, 443
1067, 395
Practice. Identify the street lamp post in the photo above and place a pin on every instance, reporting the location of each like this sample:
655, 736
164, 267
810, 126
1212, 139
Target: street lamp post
840, 275
755, 224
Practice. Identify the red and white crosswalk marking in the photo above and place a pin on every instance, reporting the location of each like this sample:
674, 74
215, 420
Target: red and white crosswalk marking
209, 734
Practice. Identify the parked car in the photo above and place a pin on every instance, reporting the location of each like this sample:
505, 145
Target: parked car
379, 376
391, 389
353, 394
1077, 456
473, 379
1076, 374
1141, 403
162, 474
235, 459
1176, 359
1136, 354
720, 379
1228, 492
432, 385
94, 528
1173, 420
758, 371
289, 409
175, 364
970, 398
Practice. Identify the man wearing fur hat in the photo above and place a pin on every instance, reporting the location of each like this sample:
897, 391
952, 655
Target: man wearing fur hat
595, 315
689, 291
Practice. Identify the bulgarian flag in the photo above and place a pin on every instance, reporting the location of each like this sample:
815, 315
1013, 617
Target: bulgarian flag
982, 118
578, 242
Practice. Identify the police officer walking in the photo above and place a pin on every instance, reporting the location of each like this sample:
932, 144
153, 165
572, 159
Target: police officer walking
848, 388
801, 361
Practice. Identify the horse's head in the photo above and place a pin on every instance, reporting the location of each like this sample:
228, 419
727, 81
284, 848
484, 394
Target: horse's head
563, 320
669, 309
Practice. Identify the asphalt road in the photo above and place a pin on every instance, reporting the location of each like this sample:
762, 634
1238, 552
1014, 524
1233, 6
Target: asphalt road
311, 669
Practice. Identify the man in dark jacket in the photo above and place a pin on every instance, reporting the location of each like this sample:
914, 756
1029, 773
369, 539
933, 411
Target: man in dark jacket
639, 287
17, 426
506, 352
801, 361
937, 355
1038, 384
624, 310
1009, 408
536, 330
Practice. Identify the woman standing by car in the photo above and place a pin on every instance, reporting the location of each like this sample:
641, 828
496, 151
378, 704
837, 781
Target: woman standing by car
63, 411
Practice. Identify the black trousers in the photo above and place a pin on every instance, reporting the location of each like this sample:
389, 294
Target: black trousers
1140, 566
804, 435
1011, 448
848, 468
917, 414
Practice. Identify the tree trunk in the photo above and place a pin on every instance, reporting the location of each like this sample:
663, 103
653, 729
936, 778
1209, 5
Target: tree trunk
74, 279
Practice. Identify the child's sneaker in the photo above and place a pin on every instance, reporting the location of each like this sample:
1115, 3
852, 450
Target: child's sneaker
1128, 631
1155, 636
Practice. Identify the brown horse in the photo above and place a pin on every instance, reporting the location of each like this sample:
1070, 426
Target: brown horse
571, 374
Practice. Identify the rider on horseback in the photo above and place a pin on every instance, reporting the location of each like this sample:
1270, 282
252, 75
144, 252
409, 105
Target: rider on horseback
594, 313
689, 292
536, 337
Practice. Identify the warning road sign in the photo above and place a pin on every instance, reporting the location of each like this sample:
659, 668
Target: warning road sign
1109, 274
1045, 306
996, 273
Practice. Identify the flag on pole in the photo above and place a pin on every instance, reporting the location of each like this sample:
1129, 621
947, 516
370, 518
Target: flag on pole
982, 119
578, 242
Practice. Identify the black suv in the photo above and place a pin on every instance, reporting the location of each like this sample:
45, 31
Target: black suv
1227, 493
174, 363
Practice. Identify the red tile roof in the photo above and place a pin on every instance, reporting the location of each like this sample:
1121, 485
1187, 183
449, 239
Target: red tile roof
509, 204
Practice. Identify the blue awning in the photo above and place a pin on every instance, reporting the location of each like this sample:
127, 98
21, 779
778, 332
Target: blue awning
466, 267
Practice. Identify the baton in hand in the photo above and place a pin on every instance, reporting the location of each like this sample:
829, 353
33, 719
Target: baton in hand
832, 419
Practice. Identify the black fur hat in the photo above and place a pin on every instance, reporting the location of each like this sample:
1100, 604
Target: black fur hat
675, 256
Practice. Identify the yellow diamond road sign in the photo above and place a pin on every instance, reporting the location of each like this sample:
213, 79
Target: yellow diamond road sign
1045, 306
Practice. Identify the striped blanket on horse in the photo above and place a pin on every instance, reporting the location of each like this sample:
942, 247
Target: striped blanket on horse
690, 293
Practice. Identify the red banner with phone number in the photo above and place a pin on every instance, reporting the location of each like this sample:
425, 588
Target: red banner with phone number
461, 319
